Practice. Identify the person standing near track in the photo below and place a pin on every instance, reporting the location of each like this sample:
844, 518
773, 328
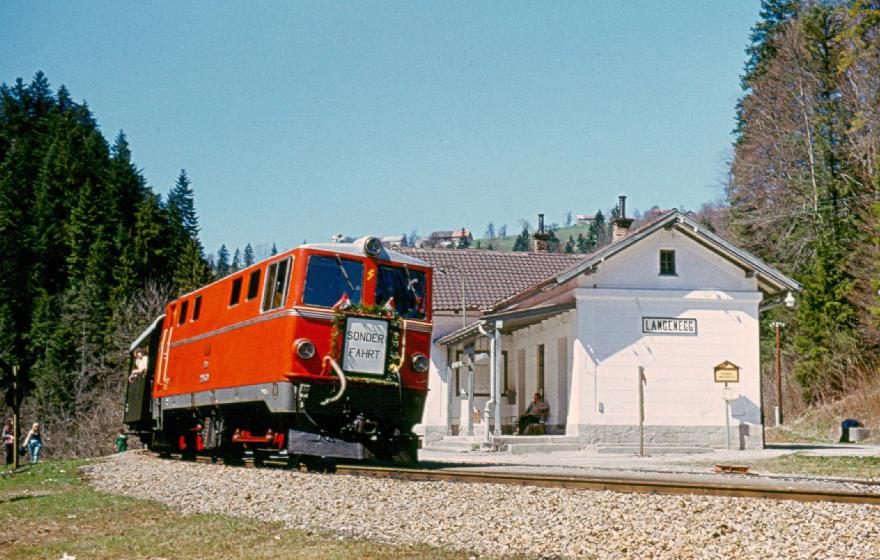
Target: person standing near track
33, 441
121, 441
8, 438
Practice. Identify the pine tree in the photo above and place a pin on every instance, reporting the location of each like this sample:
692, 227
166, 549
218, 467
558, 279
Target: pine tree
182, 206
583, 243
274, 250
523, 240
236, 261
249, 257
222, 268
192, 270
597, 235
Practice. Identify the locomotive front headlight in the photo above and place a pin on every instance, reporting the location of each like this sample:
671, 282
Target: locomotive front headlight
304, 348
372, 246
420, 363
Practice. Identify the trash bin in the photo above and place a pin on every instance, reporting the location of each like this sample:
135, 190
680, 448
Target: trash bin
844, 429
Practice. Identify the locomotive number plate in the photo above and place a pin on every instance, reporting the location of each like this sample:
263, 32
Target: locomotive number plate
366, 345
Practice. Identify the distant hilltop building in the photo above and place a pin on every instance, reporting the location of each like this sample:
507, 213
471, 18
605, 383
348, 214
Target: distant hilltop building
585, 219
394, 241
449, 239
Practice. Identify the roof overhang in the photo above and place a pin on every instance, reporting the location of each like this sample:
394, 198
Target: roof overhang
506, 321
461, 334
517, 319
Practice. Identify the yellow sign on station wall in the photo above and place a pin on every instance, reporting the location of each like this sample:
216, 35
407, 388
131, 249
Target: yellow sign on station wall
726, 372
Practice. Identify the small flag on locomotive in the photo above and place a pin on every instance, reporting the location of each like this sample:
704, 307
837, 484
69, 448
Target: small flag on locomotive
319, 351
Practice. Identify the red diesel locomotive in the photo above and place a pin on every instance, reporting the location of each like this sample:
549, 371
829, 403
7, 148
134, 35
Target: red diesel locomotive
321, 351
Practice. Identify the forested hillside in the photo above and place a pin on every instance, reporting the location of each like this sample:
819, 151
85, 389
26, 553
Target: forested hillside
804, 190
89, 255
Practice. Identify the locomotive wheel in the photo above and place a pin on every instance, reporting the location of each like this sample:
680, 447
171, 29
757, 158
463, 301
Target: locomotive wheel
405, 457
232, 457
189, 454
407, 453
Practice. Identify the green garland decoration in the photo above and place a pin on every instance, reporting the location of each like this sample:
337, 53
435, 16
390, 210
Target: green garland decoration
371, 311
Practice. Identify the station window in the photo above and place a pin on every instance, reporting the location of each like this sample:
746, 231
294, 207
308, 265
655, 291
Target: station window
254, 284
540, 369
277, 276
184, 307
236, 292
197, 308
667, 263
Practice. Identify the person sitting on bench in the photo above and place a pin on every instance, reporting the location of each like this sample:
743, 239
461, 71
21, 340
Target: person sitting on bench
536, 410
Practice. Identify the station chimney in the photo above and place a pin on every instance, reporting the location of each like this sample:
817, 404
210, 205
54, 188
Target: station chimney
621, 224
541, 239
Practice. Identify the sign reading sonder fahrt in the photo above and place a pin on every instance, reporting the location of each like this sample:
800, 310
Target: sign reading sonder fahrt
366, 344
669, 325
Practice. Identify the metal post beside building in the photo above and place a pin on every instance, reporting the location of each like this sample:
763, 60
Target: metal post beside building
778, 409
496, 358
642, 382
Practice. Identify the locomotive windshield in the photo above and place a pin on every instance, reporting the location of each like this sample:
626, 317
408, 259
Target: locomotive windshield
407, 287
327, 278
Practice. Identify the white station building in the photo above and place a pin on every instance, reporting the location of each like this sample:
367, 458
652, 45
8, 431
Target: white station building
666, 316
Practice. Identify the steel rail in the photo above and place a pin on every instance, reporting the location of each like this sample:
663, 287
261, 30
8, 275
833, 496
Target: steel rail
625, 485
733, 489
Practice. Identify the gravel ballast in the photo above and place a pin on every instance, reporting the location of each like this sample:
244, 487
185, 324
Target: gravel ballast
503, 520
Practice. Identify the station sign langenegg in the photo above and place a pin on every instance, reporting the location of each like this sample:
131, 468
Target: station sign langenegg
669, 325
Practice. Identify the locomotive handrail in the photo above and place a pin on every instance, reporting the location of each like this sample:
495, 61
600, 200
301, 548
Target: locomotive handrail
164, 347
343, 382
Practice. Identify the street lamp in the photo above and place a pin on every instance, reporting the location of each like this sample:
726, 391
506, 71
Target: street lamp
778, 409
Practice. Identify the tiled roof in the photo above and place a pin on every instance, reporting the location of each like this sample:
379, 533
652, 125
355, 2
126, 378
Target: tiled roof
489, 276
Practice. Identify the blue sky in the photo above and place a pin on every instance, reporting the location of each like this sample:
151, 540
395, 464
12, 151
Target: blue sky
297, 120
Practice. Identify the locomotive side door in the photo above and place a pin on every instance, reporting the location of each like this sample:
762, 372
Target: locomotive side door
138, 390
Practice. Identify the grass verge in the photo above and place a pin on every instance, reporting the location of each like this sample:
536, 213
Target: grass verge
47, 511
839, 467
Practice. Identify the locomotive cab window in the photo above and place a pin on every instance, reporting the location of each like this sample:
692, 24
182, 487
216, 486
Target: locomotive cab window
235, 295
407, 288
328, 278
254, 284
277, 278
667, 262
184, 307
197, 308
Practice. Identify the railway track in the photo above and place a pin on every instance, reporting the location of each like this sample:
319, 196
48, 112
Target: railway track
751, 488
622, 484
